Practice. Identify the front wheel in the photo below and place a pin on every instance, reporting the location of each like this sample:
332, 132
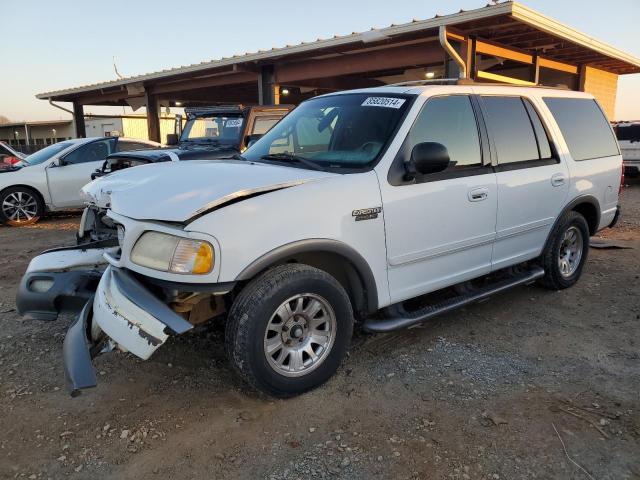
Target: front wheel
566, 252
20, 206
289, 330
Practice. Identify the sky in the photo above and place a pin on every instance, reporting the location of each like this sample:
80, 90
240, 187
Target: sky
55, 45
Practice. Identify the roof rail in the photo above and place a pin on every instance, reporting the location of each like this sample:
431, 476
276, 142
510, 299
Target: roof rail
469, 81
430, 81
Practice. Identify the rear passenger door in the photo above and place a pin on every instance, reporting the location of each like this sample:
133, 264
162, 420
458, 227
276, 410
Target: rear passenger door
532, 181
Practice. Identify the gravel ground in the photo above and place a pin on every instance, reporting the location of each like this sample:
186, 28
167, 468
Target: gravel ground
489, 392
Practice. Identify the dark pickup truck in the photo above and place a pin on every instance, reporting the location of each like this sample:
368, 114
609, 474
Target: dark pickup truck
209, 133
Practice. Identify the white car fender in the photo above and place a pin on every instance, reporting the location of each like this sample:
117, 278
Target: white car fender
349, 212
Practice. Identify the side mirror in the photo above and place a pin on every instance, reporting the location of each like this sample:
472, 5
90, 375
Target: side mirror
251, 139
429, 157
172, 139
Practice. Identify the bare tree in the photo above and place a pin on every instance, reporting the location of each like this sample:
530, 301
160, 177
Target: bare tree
4, 120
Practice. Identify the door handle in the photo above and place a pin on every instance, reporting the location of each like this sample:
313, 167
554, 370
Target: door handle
478, 194
558, 179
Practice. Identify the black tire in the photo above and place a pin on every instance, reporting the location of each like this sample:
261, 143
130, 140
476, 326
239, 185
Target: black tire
252, 311
33, 202
553, 278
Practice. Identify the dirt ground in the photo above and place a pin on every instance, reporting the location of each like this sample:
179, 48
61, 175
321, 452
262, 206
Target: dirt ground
534, 384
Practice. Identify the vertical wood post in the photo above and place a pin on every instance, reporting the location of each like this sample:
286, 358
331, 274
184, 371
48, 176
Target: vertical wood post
78, 120
153, 117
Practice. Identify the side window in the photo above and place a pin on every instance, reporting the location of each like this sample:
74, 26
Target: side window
451, 122
544, 147
511, 128
263, 124
92, 152
129, 146
584, 127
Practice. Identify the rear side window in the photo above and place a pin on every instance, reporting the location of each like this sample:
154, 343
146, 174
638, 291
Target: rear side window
512, 130
584, 127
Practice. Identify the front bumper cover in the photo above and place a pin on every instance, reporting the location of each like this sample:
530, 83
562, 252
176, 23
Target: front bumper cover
124, 314
76, 353
60, 280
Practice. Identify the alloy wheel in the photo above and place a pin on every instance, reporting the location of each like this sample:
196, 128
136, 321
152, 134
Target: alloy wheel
300, 334
570, 252
20, 207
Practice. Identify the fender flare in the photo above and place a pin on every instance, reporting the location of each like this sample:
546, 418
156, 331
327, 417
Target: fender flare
570, 206
318, 245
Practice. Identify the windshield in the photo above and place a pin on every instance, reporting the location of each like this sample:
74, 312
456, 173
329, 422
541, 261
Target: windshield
46, 153
214, 128
339, 131
628, 132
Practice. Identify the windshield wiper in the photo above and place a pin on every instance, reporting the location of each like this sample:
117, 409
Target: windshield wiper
288, 157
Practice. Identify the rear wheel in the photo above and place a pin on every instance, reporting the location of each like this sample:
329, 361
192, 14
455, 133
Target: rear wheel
566, 253
20, 206
289, 330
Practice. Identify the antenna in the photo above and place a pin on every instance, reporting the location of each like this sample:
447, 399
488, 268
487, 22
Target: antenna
115, 67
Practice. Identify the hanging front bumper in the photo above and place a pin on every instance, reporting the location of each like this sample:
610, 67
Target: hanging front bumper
123, 314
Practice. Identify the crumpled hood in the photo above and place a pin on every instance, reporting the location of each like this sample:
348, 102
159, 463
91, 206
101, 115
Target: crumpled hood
178, 191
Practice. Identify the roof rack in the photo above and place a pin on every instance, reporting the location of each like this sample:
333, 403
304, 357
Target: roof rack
430, 81
469, 81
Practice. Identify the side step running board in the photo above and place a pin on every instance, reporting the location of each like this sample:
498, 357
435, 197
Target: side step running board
389, 324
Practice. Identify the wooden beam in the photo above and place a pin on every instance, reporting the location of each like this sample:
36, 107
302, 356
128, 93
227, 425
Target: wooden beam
486, 48
555, 65
359, 63
494, 77
219, 80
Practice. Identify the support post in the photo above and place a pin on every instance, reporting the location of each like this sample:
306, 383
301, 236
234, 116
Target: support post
535, 69
78, 120
268, 90
153, 117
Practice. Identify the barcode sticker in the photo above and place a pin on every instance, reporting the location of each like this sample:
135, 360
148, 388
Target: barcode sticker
233, 122
387, 102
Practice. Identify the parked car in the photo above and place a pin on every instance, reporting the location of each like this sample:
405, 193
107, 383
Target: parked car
209, 133
386, 206
628, 134
50, 179
9, 156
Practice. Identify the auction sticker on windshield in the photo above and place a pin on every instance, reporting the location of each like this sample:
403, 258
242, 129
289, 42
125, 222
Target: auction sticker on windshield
387, 102
233, 122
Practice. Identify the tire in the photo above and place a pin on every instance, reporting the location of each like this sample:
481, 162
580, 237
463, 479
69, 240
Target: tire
561, 273
259, 320
20, 206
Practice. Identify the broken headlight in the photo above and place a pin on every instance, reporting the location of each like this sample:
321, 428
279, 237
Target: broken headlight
168, 253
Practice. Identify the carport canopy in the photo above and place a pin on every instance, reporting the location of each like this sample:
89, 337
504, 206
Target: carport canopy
507, 43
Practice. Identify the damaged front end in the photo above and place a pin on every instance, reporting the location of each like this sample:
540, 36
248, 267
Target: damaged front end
122, 315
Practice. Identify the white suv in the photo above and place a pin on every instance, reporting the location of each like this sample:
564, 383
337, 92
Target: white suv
385, 206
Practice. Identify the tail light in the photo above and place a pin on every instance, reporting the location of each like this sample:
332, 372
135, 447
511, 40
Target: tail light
621, 180
11, 160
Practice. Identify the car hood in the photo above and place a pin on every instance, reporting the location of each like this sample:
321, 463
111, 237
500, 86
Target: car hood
179, 191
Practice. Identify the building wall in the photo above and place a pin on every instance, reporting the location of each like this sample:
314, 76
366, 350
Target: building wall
602, 85
102, 127
39, 135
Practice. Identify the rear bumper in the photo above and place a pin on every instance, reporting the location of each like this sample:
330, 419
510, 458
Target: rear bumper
59, 281
124, 314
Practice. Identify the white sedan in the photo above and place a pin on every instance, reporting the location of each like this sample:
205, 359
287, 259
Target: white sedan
51, 178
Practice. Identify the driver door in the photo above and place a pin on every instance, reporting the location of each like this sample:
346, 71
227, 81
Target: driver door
73, 171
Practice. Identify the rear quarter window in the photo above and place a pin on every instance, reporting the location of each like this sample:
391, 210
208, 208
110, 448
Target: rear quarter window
584, 127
